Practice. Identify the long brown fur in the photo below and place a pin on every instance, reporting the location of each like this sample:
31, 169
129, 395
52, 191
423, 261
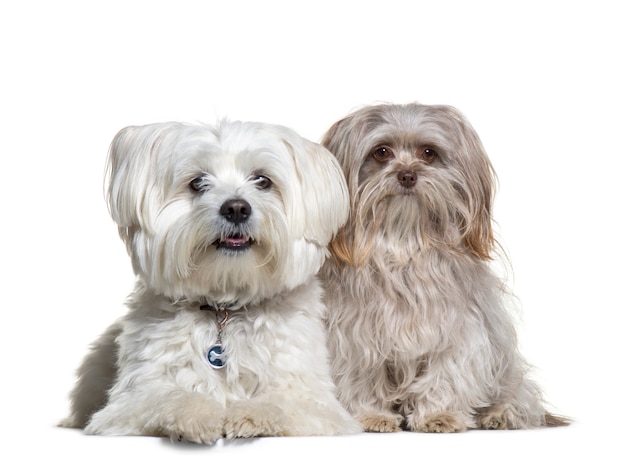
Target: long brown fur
419, 332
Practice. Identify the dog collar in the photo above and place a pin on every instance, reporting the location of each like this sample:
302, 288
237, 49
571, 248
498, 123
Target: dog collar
215, 306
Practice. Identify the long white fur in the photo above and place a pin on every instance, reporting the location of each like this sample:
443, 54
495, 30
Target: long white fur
147, 374
420, 336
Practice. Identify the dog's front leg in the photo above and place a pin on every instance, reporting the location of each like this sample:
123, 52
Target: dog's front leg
259, 417
288, 413
368, 393
443, 398
173, 413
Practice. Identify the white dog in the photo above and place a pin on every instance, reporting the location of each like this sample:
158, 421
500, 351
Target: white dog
226, 227
419, 334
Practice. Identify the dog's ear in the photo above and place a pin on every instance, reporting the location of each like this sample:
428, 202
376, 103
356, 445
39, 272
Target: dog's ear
479, 229
133, 194
334, 135
324, 190
338, 139
478, 189
341, 246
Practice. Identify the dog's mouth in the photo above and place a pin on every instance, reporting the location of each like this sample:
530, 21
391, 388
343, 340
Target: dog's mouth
236, 242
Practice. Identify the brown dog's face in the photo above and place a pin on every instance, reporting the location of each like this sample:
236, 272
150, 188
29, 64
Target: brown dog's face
405, 163
415, 172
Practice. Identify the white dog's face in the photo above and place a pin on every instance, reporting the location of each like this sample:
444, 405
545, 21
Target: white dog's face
240, 211
417, 174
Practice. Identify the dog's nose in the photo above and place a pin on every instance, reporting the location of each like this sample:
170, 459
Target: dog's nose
407, 178
236, 211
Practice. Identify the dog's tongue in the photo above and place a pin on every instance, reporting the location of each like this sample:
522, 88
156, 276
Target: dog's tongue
235, 241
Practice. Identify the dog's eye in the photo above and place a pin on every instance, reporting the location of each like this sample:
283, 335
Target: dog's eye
429, 155
382, 154
199, 184
262, 182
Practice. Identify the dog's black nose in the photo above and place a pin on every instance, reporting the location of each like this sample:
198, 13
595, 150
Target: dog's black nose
236, 211
407, 178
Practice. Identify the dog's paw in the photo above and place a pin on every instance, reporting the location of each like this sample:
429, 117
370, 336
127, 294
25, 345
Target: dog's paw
180, 416
192, 420
498, 417
192, 431
383, 423
446, 422
249, 419
507, 416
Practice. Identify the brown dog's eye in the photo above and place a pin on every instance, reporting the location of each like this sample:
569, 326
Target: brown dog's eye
429, 155
382, 154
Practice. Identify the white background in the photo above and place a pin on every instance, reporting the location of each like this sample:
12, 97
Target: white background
542, 82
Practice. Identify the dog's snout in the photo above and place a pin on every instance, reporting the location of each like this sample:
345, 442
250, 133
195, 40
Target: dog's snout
236, 211
407, 178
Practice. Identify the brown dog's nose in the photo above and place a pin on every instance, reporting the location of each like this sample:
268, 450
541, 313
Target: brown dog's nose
236, 211
407, 178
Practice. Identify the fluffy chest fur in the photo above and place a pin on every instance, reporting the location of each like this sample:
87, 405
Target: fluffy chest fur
410, 303
171, 342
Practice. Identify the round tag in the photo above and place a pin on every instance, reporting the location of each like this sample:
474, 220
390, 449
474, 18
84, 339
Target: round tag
216, 356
